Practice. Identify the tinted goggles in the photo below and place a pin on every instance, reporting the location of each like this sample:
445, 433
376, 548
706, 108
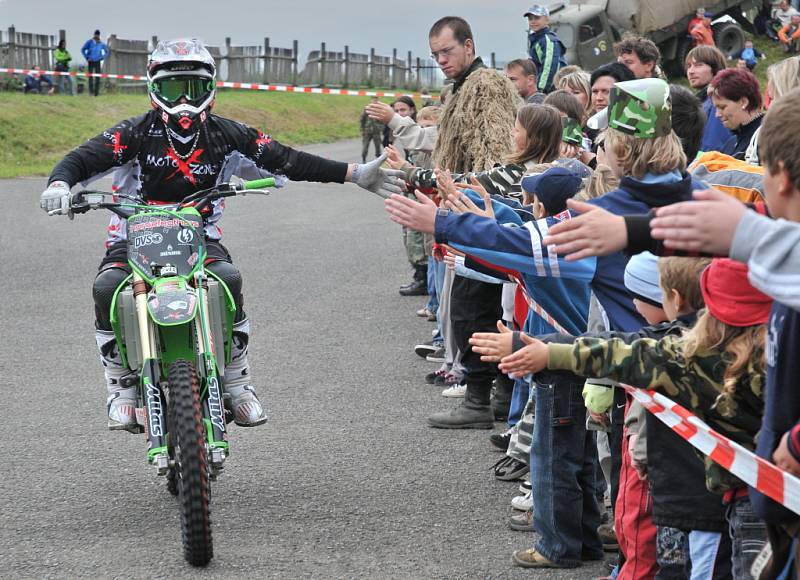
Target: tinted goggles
173, 88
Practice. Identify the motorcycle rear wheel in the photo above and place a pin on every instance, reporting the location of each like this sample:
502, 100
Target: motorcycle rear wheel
191, 463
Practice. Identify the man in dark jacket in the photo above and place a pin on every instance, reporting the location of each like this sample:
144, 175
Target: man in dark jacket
702, 64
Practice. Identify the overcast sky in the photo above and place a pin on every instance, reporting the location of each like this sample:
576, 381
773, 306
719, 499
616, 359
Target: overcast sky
498, 26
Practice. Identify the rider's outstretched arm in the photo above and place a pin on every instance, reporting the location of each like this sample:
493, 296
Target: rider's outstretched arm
301, 166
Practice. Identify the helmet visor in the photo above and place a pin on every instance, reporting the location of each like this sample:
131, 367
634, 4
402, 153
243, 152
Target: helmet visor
172, 89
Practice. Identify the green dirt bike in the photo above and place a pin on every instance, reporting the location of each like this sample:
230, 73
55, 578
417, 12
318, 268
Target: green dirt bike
172, 320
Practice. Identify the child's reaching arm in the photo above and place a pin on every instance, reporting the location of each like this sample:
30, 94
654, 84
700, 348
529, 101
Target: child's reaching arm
645, 363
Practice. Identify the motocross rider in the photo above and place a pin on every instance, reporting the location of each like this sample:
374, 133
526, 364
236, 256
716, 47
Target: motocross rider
174, 150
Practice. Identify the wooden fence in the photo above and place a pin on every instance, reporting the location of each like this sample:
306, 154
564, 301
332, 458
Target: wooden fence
262, 63
26, 50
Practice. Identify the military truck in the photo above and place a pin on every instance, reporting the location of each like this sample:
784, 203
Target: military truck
589, 28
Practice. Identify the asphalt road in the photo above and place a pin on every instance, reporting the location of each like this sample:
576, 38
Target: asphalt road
345, 481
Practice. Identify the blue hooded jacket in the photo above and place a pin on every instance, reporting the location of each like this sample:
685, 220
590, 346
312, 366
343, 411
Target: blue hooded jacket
521, 248
546, 52
94, 51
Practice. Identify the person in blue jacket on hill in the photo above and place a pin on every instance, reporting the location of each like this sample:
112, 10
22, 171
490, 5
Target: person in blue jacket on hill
94, 51
546, 51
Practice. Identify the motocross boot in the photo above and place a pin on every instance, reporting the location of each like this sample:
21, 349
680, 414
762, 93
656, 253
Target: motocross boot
240, 396
121, 395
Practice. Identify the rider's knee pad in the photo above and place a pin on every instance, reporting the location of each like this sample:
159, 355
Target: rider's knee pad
232, 278
105, 284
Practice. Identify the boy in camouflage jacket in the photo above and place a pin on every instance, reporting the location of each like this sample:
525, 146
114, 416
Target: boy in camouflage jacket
716, 370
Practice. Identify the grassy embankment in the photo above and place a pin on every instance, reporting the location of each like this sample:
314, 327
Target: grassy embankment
36, 131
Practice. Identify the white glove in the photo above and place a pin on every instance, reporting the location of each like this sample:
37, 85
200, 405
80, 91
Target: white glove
55, 199
371, 177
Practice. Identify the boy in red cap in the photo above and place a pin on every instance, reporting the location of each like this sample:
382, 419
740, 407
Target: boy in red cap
716, 369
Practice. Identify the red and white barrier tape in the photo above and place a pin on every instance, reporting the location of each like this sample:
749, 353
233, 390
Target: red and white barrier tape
767, 478
229, 85
533, 305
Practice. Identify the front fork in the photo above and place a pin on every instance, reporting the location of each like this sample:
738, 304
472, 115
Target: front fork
152, 391
212, 394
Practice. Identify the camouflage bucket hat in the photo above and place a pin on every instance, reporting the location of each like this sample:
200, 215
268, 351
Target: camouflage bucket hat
641, 107
571, 131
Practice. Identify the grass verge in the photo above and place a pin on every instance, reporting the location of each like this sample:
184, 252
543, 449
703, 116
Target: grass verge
36, 130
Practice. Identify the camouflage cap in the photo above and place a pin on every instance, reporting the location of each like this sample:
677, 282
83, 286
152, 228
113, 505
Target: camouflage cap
641, 107
571, 131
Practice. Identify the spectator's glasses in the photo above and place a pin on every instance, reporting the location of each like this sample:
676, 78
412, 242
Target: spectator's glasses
172, 89
445, 52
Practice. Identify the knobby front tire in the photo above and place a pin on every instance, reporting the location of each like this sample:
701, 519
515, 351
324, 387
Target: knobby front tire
191, 467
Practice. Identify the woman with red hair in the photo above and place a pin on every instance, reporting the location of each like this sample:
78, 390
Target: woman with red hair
737, 98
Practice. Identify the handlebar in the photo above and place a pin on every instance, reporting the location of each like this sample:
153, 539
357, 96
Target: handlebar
83, 201
260, 183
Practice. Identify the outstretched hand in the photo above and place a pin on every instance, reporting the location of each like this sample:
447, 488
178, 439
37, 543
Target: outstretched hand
393, 157
372, 177
416, 215
380, 112
462, 203
707, 224
492, 346
532, 358
445, 184
596, 232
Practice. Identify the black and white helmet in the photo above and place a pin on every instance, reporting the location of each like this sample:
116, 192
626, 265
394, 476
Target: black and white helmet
181, 81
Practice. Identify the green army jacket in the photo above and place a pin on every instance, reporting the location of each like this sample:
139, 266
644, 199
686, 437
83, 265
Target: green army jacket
694, 383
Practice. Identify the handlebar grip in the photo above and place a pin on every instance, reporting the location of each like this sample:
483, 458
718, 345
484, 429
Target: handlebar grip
260, 183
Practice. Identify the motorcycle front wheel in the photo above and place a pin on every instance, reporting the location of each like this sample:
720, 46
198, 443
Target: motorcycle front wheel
191, 463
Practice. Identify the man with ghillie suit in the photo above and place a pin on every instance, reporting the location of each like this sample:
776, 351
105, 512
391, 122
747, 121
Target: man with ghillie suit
474, 133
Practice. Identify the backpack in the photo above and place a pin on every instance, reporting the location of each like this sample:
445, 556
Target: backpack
729, 175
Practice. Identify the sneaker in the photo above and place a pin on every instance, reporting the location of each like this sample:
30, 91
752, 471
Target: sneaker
432, 317
456, 390
522, 522
122, 410
509, 469
245, 406
430, 378
424, 313
501, 440
530, 558
436, 356
523, 503
525, 486
447, 380
425, 349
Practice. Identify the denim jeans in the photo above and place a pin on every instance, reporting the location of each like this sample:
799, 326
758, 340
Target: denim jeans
63, 82
564, 475
519, 398
710, 553
433, 290
748, 537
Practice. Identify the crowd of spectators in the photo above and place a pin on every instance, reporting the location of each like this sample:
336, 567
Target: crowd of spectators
588, 229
